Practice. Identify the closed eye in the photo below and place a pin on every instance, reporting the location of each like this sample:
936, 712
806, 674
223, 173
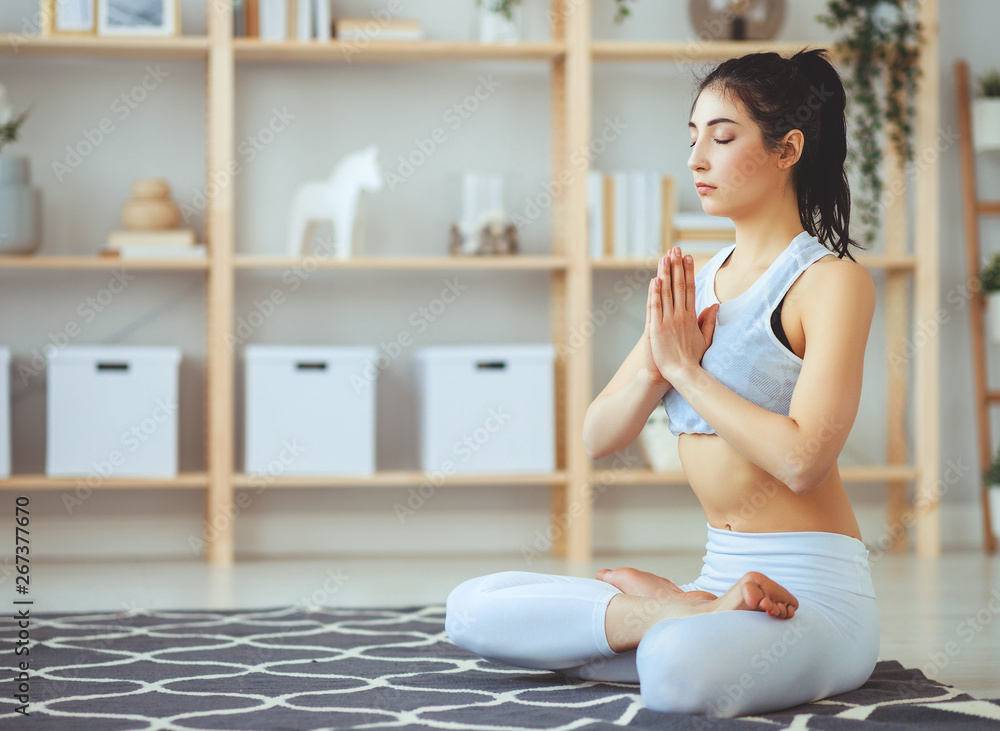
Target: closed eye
721, 142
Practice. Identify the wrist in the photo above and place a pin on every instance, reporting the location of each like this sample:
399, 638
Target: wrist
653, 383
686, 375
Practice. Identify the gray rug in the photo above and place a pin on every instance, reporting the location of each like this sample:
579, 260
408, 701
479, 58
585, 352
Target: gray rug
320, 668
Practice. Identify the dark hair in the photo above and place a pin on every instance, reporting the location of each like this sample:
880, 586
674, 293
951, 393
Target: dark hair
803, 92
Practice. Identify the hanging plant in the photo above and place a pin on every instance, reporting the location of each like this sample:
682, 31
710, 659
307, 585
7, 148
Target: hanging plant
881, 42
505, 8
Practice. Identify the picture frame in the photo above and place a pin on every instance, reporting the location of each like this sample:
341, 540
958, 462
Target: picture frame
70, 17
146, 18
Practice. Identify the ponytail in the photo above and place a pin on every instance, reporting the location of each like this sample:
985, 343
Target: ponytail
803, 92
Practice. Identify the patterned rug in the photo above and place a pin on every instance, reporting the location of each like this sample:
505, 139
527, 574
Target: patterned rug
321, 668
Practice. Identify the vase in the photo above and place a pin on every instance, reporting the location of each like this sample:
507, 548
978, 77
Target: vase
20, 207
993, 306
993, 499
150, 207
495, 28
986, 124
659, 444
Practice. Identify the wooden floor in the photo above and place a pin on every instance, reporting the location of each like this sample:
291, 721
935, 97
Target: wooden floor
939, 615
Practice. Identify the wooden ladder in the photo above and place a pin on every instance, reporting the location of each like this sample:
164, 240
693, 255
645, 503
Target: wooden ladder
974, 208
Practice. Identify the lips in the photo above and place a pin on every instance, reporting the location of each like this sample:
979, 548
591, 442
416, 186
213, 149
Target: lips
703, 187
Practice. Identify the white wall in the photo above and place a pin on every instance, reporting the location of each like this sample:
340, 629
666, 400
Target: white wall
342, 107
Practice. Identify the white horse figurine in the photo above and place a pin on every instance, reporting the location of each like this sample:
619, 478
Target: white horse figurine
336, 200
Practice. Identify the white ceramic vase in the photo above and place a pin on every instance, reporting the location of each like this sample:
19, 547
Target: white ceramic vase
994, 503
986, 124
494, 27
993, 312
659, 444
20, 207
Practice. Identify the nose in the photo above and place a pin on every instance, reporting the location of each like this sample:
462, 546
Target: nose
696, 160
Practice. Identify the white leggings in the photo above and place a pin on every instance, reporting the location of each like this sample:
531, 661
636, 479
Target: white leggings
722, 664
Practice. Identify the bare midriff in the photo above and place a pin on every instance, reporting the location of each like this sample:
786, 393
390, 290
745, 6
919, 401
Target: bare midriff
738, 495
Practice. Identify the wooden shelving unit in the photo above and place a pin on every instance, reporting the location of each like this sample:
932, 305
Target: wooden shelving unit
570, 56
98, 262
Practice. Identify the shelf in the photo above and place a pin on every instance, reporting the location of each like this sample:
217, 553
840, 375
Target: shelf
849, 474
97, 262
44, 482
693, 49
104, 47
399, 478
248, 49
430, 263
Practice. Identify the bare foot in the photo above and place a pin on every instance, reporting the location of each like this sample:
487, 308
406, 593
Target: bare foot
629, 617
756, 591
643, 583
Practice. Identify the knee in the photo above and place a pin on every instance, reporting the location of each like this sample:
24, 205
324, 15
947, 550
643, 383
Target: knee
459, 606
465, 622
666, 683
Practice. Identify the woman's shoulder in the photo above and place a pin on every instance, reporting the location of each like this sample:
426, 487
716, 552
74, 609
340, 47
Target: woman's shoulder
832, 279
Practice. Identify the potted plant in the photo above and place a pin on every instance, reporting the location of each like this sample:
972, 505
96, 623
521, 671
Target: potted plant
881, 45
499, 20
986, 112
989, 285
991, 483
20, 209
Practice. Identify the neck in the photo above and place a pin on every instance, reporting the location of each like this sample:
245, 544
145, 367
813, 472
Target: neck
764, 233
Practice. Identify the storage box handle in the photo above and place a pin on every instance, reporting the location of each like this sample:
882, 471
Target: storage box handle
306, 366
101, 366
494, 364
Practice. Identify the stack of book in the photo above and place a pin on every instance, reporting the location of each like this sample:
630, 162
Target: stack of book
169, 244
631, 214
356, 29
310, 20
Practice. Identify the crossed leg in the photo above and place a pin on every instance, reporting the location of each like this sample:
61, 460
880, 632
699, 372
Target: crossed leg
648, 599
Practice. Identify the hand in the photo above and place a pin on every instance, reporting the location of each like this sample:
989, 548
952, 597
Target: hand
675, 337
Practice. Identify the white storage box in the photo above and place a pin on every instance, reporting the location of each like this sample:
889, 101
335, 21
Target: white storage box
487, 409
112, 411
310, 410
4, 411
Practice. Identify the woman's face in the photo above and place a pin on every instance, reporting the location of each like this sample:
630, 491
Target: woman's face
728, 157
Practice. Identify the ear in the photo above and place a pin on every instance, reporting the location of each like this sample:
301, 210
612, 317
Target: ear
791, 149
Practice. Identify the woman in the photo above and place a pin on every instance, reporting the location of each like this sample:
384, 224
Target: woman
784, 611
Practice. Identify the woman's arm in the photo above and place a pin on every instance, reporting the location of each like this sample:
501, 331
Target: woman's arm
802, 448
620, 411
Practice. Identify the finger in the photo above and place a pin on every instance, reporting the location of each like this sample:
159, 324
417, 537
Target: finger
666, 294
689, 280
679, 281
654, 299
649, 303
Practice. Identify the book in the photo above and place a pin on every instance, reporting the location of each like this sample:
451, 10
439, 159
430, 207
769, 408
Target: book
304, 24
198, 251
273, 16
595, 213
291, 19
352, 29
239, 19
177, 238
253, 18
323, 21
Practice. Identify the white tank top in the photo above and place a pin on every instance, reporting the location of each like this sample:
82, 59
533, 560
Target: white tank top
745, 354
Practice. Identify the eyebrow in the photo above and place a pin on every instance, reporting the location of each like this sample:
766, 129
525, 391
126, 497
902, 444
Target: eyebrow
717, 120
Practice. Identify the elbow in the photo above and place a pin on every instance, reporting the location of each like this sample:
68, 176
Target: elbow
589, 447
809, 478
